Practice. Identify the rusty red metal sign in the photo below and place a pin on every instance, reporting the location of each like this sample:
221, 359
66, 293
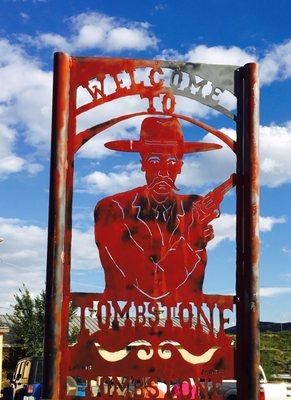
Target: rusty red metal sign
153, 323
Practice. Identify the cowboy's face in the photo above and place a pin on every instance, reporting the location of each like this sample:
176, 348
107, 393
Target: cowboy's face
161, 170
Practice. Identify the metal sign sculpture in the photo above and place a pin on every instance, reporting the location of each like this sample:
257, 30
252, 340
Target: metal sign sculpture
153, 321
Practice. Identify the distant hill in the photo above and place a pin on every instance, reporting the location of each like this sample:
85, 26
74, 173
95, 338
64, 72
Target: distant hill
266, 327
275, 347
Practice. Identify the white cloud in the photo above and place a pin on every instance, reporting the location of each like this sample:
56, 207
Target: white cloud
220, 55
24, 16
160, 7
232, 55
129, 38
25, 98
23, 256
190, 108
84, 251
95, 148
267, 223
275, 64
33, 168
9, 162
128, 177
95, 30
171, 54
274, 291
286, 250
25, 109
225, 227
50, 40
212, 167
208, 168
275, 149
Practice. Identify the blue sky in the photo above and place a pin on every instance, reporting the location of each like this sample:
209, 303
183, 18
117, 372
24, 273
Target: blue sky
228, 32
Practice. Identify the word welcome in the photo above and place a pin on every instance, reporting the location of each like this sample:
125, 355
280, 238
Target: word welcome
150, 83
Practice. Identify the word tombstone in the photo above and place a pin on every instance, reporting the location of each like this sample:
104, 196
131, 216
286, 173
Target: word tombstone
152, 324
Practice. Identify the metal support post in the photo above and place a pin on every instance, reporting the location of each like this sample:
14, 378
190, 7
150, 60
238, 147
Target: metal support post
247, 353
56, 230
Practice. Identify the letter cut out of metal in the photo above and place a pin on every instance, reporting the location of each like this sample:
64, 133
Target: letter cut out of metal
152, 328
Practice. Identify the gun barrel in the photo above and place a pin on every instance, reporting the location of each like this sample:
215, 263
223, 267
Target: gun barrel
224, 187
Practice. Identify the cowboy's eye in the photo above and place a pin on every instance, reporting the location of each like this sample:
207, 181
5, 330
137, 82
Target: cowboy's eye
171, 161
153, 160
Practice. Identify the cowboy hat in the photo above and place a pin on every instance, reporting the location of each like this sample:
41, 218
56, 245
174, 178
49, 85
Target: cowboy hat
161, 135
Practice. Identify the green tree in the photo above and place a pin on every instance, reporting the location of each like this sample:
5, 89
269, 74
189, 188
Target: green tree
28, 319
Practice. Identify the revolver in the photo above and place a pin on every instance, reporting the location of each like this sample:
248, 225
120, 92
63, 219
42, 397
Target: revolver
207, 208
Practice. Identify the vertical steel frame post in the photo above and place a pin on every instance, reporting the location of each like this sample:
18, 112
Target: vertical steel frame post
54, 322
248, 334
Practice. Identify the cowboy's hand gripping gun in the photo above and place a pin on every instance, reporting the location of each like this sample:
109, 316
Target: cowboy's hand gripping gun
207, 208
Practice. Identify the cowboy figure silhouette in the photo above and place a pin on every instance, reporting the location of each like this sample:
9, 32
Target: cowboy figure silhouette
152, 240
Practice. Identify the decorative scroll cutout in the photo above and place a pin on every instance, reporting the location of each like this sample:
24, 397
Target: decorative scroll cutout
164, 352
144, 353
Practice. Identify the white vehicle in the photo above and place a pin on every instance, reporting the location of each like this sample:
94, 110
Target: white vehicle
268, 391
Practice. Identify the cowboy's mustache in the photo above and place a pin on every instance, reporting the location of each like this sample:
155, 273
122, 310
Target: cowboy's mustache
162, 179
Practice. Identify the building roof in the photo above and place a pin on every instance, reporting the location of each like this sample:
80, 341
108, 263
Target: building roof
4, 329
4, 321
